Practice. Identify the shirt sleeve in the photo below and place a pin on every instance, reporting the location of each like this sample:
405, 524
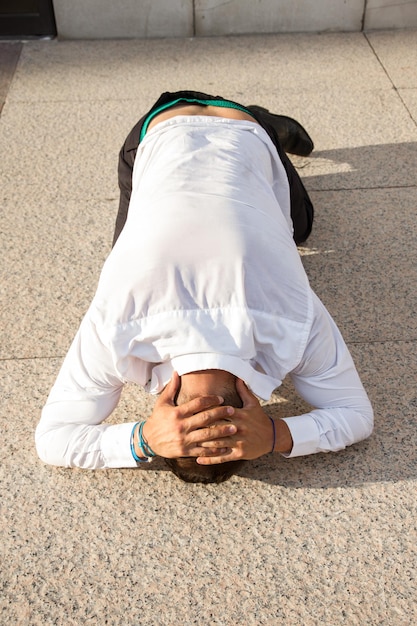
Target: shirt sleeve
70, 432
327, 379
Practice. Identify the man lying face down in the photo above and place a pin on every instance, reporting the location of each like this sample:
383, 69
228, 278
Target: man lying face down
204, 301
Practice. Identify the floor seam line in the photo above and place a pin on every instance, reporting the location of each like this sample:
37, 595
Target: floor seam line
387, 74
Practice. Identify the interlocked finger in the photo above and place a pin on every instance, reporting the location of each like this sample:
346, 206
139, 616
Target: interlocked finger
211, 452
218, 443
202, 436
199, 406
203, 422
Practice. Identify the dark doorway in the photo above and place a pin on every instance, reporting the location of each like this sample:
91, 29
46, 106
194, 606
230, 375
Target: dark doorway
27, 18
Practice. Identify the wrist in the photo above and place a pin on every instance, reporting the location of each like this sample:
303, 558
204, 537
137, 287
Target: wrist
141, 450
134, 445
144, 438
138, 451
283, 438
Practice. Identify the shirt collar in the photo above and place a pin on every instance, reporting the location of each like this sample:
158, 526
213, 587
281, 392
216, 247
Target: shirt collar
260, 383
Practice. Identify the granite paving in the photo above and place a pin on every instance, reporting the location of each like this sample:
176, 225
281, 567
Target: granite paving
326, 539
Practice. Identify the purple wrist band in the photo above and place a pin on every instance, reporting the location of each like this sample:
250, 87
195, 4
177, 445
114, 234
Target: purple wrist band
274, 433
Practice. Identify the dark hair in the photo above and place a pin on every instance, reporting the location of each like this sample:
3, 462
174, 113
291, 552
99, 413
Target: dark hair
187, 468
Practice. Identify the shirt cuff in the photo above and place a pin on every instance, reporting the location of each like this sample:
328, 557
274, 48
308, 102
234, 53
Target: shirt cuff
115, 446
305, 435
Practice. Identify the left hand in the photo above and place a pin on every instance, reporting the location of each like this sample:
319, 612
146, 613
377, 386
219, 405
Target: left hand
254, 436
175, 431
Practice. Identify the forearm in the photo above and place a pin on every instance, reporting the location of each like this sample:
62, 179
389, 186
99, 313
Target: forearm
328, 430
85, 446
343, 414
72, 432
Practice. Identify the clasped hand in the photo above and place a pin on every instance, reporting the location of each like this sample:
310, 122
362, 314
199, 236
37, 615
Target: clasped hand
205, 429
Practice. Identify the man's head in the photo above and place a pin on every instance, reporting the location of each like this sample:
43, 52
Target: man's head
196, 384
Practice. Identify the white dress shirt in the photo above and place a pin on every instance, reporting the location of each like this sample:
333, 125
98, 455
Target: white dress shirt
205, 275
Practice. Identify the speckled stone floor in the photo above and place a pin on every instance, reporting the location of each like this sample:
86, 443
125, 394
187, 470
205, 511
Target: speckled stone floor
329, 539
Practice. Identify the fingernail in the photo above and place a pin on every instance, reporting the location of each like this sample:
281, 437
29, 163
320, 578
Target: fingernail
221, 400
231, 429
230, 410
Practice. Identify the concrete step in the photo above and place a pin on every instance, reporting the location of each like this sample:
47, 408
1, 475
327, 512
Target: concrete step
101, 19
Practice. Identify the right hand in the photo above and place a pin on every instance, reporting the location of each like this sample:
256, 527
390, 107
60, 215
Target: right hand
177, 431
